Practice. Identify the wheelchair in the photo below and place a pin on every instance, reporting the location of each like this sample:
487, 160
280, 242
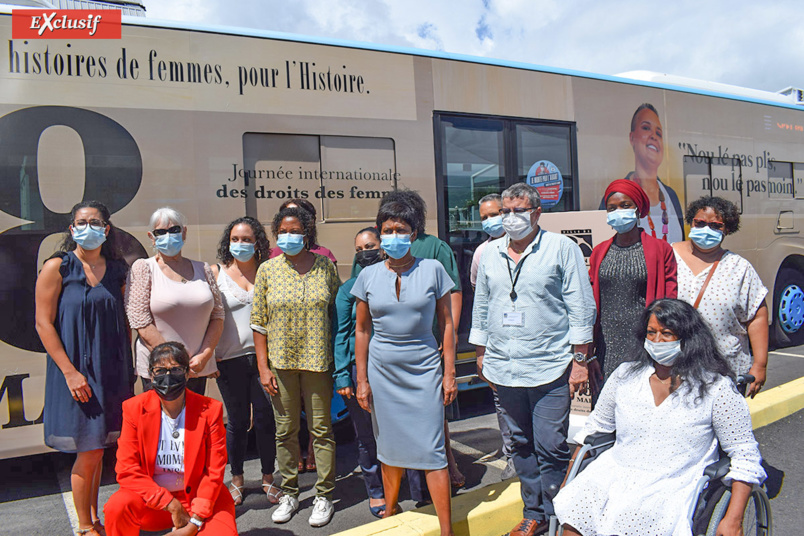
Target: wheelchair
712, 494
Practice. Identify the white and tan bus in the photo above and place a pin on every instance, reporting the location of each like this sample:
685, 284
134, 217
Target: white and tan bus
219, 123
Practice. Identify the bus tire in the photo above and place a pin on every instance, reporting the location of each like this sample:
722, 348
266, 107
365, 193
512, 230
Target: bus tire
788, 308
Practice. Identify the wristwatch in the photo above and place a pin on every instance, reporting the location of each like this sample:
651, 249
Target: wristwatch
197, 522
579, 357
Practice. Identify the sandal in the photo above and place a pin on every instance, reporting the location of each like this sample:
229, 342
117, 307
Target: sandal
91, 531
301, 465
273, 496
310, 466
377, 511
99, 527
237, 494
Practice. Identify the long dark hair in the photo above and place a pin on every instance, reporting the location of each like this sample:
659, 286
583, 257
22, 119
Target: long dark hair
700, 358
109, 249
262, 248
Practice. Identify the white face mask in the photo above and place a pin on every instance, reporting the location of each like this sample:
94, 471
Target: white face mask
664, 353
518, 226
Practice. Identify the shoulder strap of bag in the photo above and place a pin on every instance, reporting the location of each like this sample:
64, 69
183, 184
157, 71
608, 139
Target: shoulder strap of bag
706, 283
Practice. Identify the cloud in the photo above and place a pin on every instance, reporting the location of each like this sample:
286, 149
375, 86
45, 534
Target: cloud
751, 44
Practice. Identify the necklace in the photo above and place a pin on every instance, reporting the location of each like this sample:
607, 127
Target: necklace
665, 218
174, 424
663, 382
401, 266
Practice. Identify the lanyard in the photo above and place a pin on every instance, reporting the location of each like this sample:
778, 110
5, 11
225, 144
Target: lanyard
521, 263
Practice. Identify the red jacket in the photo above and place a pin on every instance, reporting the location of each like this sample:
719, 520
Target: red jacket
659, 261
204, 451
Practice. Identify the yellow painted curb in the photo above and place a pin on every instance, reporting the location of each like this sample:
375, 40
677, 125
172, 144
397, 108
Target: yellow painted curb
495, 509
489, 511
777, 403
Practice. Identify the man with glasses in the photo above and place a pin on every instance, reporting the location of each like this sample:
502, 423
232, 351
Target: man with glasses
532, 325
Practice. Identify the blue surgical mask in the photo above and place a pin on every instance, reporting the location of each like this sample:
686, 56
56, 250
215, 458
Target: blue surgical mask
169, 244
494, 226
242, 251
290, 244
89, 238
622, 220
396, 246
705, 237
664, 353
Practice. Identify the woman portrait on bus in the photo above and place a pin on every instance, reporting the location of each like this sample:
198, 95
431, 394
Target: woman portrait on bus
292, 317
81, 321
628, 272
171, 457
242, 248
664, 219
367, 253
172, 298
314, 246
724, 287
399, 374
671, 406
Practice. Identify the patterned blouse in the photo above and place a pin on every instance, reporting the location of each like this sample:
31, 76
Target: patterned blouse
295, 313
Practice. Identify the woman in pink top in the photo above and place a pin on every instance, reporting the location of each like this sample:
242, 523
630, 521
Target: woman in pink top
172, 298
314, 246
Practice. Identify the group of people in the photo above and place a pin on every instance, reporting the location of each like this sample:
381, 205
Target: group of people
658, 333
662, 329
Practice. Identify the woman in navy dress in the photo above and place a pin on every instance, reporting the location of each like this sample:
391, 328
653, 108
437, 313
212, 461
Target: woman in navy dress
81, 321
399, 374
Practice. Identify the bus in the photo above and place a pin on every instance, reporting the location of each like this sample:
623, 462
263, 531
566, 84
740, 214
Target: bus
222, 122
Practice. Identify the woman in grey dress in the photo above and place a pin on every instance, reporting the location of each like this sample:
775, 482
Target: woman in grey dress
399, 374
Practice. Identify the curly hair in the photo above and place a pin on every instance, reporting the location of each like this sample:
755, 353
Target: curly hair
304, 217
414, 201
724, 208
700, 358
111, 248
309, 207
262, 247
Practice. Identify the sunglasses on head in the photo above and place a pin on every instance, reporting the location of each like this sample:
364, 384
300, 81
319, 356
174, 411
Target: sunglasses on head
172, 230
714, 225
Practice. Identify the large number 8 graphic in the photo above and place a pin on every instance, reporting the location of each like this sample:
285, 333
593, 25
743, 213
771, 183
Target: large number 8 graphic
113, 176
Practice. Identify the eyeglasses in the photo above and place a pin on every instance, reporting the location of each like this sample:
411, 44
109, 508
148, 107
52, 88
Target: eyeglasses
158, 371
517, 210
714, 225
95, 225
176, 229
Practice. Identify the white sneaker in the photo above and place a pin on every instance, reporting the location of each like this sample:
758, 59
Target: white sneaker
286, 507
322, 512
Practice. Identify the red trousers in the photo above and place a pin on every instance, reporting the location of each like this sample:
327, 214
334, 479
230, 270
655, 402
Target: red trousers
125, 514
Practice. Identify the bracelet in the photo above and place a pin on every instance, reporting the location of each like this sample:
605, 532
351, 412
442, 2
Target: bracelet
197, 522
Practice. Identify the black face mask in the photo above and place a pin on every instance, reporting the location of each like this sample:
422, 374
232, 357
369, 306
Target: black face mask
367, 257
169, 386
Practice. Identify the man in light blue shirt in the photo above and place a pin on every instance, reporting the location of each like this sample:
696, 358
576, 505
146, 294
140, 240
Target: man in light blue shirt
532, 324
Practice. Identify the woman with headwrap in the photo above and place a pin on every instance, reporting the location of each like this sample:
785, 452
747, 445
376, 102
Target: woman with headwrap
628, 272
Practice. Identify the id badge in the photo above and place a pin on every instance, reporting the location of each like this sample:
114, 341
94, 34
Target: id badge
513, 318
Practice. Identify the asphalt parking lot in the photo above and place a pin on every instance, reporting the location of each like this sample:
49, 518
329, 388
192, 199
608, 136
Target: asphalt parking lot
35, 498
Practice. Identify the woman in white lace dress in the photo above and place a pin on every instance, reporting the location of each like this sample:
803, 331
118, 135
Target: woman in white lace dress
671, 407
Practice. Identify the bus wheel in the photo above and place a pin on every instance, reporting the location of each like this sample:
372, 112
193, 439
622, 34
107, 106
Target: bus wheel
788, 321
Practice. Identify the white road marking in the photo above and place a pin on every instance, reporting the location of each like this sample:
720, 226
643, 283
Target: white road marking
786, 354
67, 496
478, 455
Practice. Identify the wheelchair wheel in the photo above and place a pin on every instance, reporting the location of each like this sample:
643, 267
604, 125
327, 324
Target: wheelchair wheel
756, 519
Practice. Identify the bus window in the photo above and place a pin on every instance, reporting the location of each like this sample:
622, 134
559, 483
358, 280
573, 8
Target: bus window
551, 142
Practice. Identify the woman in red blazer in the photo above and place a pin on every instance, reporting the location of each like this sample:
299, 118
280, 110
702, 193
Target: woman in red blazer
628, 272
171, 457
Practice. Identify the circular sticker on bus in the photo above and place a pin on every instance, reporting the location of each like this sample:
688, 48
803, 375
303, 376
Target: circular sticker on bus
545, 177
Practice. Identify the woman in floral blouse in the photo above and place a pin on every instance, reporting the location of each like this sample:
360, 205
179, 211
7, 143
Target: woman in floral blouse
292, 315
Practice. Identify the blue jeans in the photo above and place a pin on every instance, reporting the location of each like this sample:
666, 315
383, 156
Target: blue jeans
538, 418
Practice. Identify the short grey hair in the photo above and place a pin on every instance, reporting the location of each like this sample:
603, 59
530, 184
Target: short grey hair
522, 190
167, 216
490, 197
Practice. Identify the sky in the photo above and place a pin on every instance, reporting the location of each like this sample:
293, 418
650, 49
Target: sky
752, 44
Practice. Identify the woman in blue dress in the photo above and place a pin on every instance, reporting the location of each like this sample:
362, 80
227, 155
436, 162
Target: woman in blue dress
399, 374
81, 321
